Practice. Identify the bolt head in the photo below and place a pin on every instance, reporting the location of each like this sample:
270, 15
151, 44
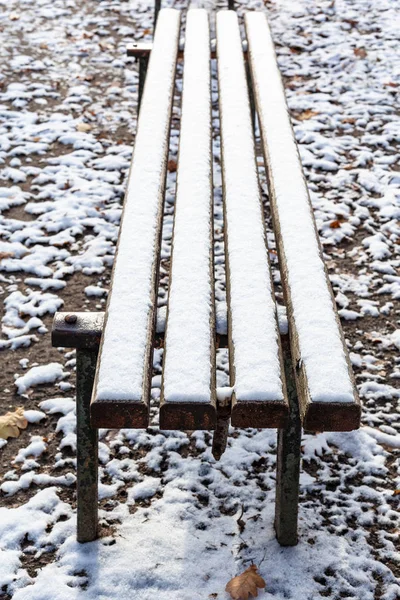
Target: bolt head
70, 319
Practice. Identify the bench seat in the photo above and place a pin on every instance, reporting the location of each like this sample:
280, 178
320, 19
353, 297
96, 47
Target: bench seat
188, 393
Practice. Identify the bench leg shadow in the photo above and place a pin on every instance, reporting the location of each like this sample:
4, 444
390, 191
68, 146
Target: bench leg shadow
288, 463
87, 448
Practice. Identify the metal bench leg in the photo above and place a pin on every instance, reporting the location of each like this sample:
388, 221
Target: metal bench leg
87, 448
157, 8
251, 95
143, 64
220, 437
288, 463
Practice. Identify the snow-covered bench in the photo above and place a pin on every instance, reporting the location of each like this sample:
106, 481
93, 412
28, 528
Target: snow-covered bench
302, 377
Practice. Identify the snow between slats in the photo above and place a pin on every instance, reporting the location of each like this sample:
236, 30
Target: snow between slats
130, 309
320, 343
187, 367
253, 310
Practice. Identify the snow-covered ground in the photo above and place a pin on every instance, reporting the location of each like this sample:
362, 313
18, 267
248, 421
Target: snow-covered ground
176, 524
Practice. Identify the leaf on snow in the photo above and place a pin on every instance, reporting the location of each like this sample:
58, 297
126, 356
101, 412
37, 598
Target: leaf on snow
172, 166
244, 586
305, 115
360, 52
11, 423
83, 127
335, 224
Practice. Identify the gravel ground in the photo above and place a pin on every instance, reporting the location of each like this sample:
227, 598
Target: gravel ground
175, 523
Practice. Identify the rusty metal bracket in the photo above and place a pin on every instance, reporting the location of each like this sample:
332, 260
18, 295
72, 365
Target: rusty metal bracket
77, 330
139, 49
143, 49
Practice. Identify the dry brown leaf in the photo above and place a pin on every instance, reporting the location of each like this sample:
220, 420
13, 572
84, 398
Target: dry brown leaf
172, 165
335, 224
83, 127
350, 22
306, 114
360, 52
106, 46
11, 423
244, 586
6, 255
396, 493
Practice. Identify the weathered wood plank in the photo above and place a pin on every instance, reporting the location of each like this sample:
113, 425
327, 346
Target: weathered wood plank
188, 385
327, 394
122, 386
259, 398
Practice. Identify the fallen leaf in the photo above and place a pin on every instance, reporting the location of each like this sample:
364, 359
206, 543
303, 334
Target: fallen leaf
305, 115
106, 46
83, 127
11, 423
245, 585
335, 224
350, 22
172, 165
360, 52
14, 16
6, 255
396, 493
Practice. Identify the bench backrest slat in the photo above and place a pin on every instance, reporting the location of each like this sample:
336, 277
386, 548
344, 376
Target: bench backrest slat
327, 395
122, 385
259, 397
188, 389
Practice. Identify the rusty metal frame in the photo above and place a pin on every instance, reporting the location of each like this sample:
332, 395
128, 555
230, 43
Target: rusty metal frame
82, 331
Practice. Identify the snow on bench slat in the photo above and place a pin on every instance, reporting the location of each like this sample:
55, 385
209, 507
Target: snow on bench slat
254, 337
189, 359
318, 343
125, 355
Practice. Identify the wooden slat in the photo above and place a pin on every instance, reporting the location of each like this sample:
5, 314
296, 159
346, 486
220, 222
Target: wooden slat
122, 386
256, 368
188, 387
324, 379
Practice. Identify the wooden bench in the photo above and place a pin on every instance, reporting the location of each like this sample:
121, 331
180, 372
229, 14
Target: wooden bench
302, 377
